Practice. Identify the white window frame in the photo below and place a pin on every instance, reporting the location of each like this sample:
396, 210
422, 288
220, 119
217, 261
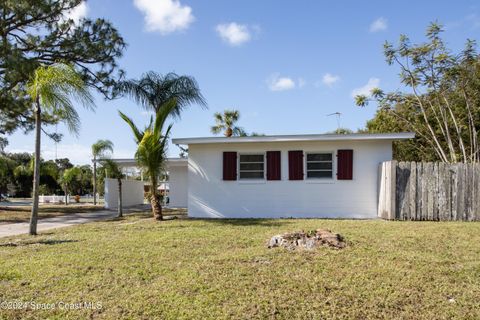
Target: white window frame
306, 165
251, 154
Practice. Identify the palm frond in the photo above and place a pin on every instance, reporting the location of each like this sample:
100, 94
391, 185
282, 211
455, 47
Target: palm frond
138, 135
239, 131
113, 170
100, 147
56, 87
162, 115
152, 91
217, 129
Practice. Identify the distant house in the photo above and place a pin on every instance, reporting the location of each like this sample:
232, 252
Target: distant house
297, 176
134, 190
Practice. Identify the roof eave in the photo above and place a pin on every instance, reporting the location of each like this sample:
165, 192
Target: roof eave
297, 138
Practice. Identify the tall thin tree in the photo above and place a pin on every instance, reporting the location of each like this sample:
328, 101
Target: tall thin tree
52, 90
151, 152
167, 95
68, 177
113, 171
100, 149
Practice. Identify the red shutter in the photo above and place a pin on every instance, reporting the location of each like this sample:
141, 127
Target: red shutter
273, 165
345, 164
229, 166
295, 165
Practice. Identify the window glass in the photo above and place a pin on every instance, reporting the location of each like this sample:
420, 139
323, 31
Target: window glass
319, 165
252, 166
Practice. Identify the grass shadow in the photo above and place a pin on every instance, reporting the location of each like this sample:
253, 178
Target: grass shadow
248, 222
44, 242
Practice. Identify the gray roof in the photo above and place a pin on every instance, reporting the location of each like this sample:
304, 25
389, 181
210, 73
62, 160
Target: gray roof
125, 162
300, 137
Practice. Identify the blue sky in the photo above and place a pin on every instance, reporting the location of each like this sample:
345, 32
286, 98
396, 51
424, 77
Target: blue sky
284, 65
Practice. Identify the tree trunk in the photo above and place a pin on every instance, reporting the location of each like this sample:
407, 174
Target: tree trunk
156, 206
94, 180
120, 201
228, 132
66, 194
36, 170
155, 199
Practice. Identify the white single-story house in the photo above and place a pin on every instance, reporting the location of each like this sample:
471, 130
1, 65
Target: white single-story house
301, 176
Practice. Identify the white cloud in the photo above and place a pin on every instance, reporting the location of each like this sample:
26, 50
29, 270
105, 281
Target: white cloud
233, 33
365, 90
329, 79
379, 25
77, 13
277, 83
165, 16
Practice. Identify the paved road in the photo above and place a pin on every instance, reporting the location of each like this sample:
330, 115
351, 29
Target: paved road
13, 229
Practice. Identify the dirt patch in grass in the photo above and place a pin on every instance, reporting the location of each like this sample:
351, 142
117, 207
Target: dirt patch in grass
202, 269
12, 214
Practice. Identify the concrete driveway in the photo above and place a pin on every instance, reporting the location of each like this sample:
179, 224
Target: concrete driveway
13, 229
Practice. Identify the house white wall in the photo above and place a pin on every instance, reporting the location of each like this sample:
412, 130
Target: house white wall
178, 183
132, 192
211, 197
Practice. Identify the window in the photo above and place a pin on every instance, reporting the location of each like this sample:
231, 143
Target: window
319, 165
252, 166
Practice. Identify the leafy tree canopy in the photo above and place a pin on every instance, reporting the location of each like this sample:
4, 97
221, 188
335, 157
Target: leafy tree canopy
440, 101
38, 32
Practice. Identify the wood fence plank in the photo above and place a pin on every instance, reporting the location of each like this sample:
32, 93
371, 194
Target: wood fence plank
419, 191
435, 191
443, 207
392, 186
476, 192
468, 191
429, 190
403, 176
460, 191
412, 191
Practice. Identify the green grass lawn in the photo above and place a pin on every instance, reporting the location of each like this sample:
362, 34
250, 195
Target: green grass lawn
197, 269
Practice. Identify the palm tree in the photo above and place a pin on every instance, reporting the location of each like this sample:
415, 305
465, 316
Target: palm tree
226, 122
99, 150
114, 172
151, 151
52, 89
69, 176
153, 90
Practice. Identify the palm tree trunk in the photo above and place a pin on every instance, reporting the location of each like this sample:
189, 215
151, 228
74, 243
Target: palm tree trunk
156, 206
228, 132
36, 170
66, 194
155, 199
120, 201
94, 181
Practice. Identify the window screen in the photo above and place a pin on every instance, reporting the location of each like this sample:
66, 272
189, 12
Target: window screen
319, 165
252, 166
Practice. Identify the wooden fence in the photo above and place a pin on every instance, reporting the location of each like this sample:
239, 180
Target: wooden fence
429, 191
